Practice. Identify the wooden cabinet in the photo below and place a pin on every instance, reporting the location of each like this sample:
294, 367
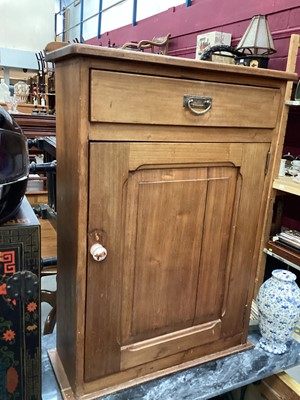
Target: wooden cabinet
176, 196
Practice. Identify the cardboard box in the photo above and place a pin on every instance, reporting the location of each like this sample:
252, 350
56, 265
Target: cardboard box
20, 366
211, 39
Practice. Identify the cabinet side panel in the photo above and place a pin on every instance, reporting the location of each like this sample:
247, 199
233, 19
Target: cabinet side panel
71, 225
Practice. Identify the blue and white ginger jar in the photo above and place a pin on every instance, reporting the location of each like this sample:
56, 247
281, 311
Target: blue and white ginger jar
278, 303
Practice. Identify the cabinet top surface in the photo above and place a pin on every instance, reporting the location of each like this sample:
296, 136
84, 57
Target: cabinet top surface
83, 50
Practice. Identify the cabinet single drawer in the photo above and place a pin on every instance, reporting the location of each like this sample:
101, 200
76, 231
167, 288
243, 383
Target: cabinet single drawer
141, 99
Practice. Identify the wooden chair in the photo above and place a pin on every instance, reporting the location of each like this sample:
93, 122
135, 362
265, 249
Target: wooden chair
161, 42
49, 296
48, 267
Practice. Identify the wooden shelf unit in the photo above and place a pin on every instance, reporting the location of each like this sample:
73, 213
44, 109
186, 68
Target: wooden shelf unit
287, 184
282, 184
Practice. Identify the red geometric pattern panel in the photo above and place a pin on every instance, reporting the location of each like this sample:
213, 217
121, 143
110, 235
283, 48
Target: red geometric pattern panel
8, 259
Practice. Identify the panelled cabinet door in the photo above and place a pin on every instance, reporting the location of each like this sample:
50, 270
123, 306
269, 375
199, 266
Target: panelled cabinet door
173, 219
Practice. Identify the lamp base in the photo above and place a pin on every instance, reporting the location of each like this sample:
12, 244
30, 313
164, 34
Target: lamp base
255, 61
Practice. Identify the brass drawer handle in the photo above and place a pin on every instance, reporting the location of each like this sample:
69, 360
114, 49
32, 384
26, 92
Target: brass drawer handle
192, 102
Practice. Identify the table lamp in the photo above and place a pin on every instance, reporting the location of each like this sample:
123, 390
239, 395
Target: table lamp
256, 43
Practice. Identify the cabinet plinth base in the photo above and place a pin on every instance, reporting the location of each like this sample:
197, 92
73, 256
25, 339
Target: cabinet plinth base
68, 394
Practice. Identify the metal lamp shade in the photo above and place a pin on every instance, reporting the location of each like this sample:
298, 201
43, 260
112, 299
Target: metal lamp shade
257, 39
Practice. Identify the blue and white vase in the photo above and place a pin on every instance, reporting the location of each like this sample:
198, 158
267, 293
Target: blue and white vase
278, 303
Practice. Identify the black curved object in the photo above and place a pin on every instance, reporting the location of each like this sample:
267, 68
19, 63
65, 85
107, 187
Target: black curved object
240, 58
14, 166
208, 51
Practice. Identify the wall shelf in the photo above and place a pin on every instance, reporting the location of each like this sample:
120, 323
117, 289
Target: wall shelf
283, 254
286, 184
295, 103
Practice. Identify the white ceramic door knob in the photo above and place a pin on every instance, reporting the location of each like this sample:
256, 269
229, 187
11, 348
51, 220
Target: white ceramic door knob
98, 252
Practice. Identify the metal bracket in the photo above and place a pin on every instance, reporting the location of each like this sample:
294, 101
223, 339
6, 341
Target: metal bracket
22, 286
